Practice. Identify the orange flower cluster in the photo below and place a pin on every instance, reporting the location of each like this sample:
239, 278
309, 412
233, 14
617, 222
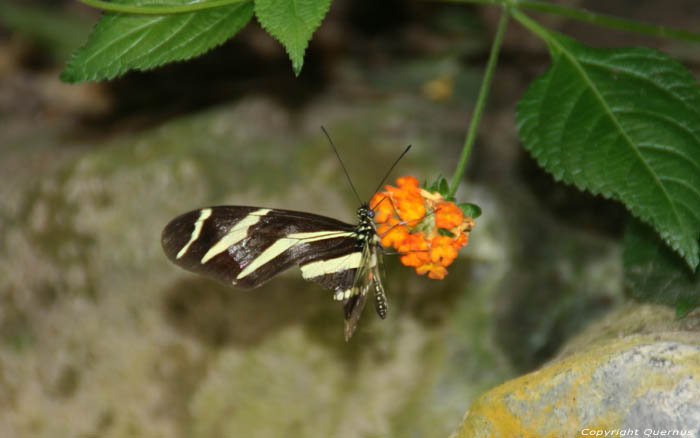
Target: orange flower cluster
410, 219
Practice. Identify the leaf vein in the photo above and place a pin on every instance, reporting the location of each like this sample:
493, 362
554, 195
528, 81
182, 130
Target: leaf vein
670, 150
126, 35
619, 69
173, 33
684, 184
579, 67
665, 118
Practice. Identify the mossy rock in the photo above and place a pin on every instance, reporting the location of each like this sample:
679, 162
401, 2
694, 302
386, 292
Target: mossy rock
637, 369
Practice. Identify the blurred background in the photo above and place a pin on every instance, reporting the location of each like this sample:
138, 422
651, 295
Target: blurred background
100, 336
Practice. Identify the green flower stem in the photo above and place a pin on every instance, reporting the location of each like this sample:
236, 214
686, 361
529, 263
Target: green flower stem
591, 17
481, 100
161, 9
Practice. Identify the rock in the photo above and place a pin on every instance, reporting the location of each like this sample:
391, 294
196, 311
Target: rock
637, 372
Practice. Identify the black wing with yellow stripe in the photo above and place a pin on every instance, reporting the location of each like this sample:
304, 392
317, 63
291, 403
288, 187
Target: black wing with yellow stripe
247, 246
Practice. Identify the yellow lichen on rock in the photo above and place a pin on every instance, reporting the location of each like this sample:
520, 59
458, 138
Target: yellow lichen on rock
637, 382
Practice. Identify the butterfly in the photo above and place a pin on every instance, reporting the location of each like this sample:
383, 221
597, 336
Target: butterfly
246, 246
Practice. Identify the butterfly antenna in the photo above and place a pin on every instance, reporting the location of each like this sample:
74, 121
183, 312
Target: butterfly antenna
341, 163
392, 168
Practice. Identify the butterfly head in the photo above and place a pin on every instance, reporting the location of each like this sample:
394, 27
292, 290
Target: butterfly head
365, 213
365, 227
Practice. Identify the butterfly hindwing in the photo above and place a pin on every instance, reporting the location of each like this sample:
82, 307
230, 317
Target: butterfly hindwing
247, 246
367, 280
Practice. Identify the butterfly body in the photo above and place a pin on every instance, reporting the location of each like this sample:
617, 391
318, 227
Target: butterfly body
246, 246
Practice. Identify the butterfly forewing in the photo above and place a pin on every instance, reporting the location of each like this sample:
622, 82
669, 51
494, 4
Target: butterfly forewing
247, 246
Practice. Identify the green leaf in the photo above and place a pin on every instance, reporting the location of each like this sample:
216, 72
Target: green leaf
471, 210
445, 232
440, 185
443, 187
654, 273
624, 123
122, 42
433, 187
292, 22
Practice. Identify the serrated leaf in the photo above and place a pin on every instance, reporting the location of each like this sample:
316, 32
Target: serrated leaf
624, 123
654, 273
470, 210
122, 42
292, 22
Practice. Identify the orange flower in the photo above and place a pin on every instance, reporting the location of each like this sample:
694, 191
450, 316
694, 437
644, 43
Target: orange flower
393, 234
436, 272
448, 215
400, 193
442, 250
415, 248
410, 219
381, 204
411, 210
407, 182
404, 201
460, 241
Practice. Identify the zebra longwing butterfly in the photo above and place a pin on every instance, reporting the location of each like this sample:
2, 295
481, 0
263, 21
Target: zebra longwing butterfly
247, 246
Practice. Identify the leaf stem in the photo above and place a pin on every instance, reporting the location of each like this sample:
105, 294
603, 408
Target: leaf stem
161, 9
604, 20
481, 99
532, 26
608, 20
